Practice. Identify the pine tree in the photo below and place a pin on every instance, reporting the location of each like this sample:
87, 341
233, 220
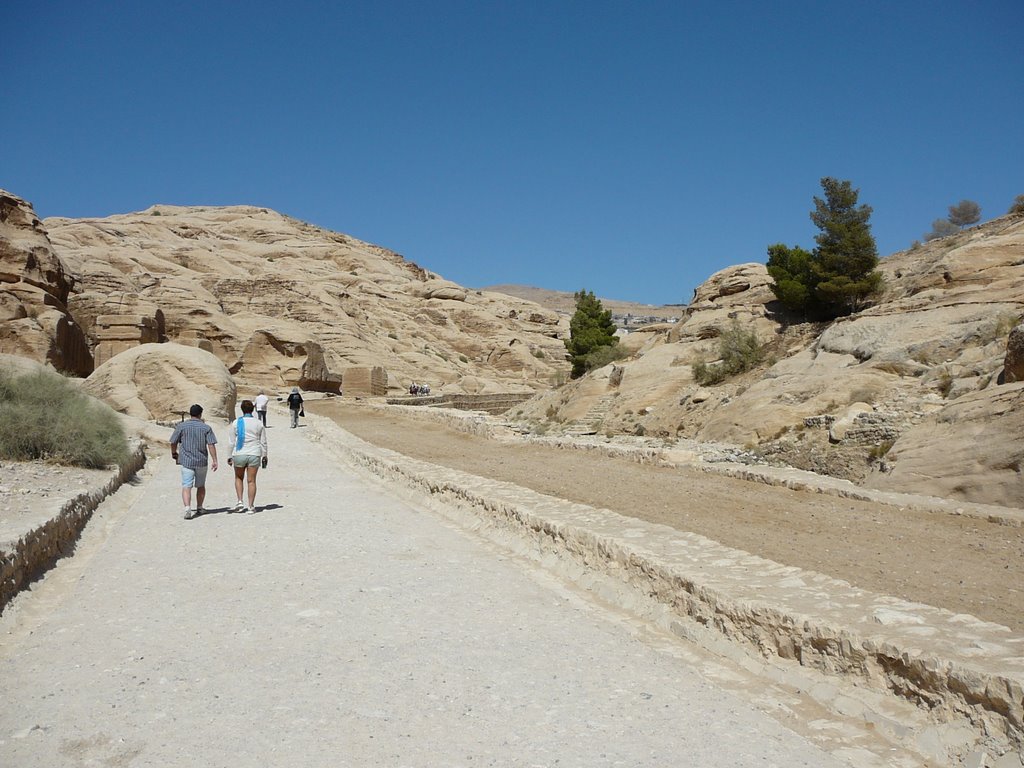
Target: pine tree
839, 275
591, 327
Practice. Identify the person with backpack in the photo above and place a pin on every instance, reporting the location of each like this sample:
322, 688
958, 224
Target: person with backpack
295, 406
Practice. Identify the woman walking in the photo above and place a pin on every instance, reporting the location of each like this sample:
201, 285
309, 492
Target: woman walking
250, 453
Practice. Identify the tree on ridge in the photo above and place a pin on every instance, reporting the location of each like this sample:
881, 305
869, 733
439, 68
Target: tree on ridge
590, 328
839, 275
964, 213
941, 228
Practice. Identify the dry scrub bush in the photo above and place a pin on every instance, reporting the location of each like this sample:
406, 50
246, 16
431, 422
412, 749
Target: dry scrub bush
43, 416
738, 350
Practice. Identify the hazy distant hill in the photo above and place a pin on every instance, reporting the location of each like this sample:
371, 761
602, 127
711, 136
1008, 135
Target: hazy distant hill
563, 301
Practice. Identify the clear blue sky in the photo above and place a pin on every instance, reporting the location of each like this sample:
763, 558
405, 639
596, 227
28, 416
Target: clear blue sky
631, 148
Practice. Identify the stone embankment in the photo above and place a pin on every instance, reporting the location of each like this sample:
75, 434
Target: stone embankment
964, 674
492, 404
37, 527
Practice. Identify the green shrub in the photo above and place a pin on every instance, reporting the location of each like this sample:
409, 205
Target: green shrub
601, 356
878, 451
708, 375
43, 416
739, 351
945, 383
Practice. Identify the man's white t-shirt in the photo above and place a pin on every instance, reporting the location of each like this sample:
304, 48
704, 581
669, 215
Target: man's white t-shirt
261, 402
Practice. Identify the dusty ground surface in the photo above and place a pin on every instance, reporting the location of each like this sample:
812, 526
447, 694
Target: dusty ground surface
342, 627
962, 564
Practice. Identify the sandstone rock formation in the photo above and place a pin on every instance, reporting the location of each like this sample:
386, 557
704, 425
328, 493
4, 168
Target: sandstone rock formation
873, 397
283, 303
918, 369
158, 382
34, 288
972, 449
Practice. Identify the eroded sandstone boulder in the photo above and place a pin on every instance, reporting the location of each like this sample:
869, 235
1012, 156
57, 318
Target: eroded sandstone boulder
34, 287
157, 382
274, 359
971, 450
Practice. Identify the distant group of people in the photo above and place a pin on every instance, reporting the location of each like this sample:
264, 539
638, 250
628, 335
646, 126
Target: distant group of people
194, 449
419, 389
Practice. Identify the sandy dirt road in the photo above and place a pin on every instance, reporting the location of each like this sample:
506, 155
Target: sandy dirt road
340, 626
963, 564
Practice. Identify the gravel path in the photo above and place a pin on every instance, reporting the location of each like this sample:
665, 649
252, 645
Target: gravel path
338, 627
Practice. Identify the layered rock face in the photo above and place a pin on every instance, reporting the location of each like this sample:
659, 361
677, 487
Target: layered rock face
881, 397
283, 303
34, 287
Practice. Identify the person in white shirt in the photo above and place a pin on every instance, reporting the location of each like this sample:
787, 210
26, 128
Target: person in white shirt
261, 407
249, 438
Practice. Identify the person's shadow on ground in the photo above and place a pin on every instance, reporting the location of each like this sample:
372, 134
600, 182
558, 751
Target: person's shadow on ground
231, 509
214, 511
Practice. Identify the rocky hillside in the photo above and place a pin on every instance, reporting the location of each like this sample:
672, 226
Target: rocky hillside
280, 302
923, 392
908, 395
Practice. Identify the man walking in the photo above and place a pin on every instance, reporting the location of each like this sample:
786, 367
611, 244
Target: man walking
261, 407
295, 406
190, 442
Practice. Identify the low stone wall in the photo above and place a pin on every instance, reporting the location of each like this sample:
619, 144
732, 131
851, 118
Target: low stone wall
963, 676
39, 548
493, 404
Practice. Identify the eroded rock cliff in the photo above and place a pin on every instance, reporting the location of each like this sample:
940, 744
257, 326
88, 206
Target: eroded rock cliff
283, 303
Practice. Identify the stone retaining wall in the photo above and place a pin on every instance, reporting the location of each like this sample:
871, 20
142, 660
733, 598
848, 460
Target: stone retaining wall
38, 549
965, 676
493, 404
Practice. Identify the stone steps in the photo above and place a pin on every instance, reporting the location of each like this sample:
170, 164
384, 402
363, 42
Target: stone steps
590, 423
